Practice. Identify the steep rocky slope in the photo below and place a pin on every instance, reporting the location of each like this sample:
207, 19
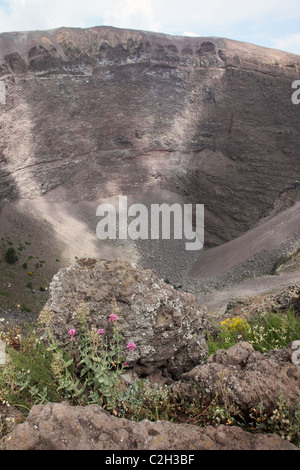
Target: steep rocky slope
94, 113
209, 118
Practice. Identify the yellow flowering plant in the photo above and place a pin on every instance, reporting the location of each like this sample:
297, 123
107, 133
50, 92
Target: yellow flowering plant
265, 331
236, 326
229, 332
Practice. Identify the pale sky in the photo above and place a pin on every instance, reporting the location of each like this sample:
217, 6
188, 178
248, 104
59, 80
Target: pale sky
269, 23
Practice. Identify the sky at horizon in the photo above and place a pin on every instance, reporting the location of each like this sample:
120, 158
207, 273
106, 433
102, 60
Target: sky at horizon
267, 23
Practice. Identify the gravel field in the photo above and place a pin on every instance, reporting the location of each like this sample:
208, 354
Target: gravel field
61, 233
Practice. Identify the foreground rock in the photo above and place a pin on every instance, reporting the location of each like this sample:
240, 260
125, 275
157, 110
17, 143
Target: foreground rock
243, 377
60, 426
165, 325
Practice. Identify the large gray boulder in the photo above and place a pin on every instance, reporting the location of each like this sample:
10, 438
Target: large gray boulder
167, 328
59, 426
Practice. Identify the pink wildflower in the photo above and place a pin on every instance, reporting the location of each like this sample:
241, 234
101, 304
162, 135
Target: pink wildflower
124, 363
114, 299
131, 346
100, 332
113, 317
72, 333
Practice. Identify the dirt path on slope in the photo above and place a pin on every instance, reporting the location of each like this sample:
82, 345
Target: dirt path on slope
262, 242
217, 300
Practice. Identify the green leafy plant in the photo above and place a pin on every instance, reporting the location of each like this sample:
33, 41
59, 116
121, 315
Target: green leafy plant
228, 333
26, 378
102, 360
86, 374
5, 294
282, 420
145, 400
89, 371
265, 332
24, 308
274, 330
142, 400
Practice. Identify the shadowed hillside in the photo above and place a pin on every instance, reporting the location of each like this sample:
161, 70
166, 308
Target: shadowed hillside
94, 113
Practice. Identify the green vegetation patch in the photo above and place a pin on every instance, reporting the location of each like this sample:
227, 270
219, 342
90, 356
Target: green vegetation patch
265, 332
11, 255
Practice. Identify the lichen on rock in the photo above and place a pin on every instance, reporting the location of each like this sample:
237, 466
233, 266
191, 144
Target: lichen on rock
165, 324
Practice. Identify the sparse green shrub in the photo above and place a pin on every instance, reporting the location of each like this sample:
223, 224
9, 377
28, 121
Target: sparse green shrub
282, 420
274, 330
178, 287
26, 378
89, 375
11, 255
5, 294
141, 400
24, 308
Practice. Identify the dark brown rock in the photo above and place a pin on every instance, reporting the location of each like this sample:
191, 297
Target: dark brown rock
243, 377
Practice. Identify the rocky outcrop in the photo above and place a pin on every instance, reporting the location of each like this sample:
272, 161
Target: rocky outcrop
243, 377
60, 426
279, 301
167, 328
